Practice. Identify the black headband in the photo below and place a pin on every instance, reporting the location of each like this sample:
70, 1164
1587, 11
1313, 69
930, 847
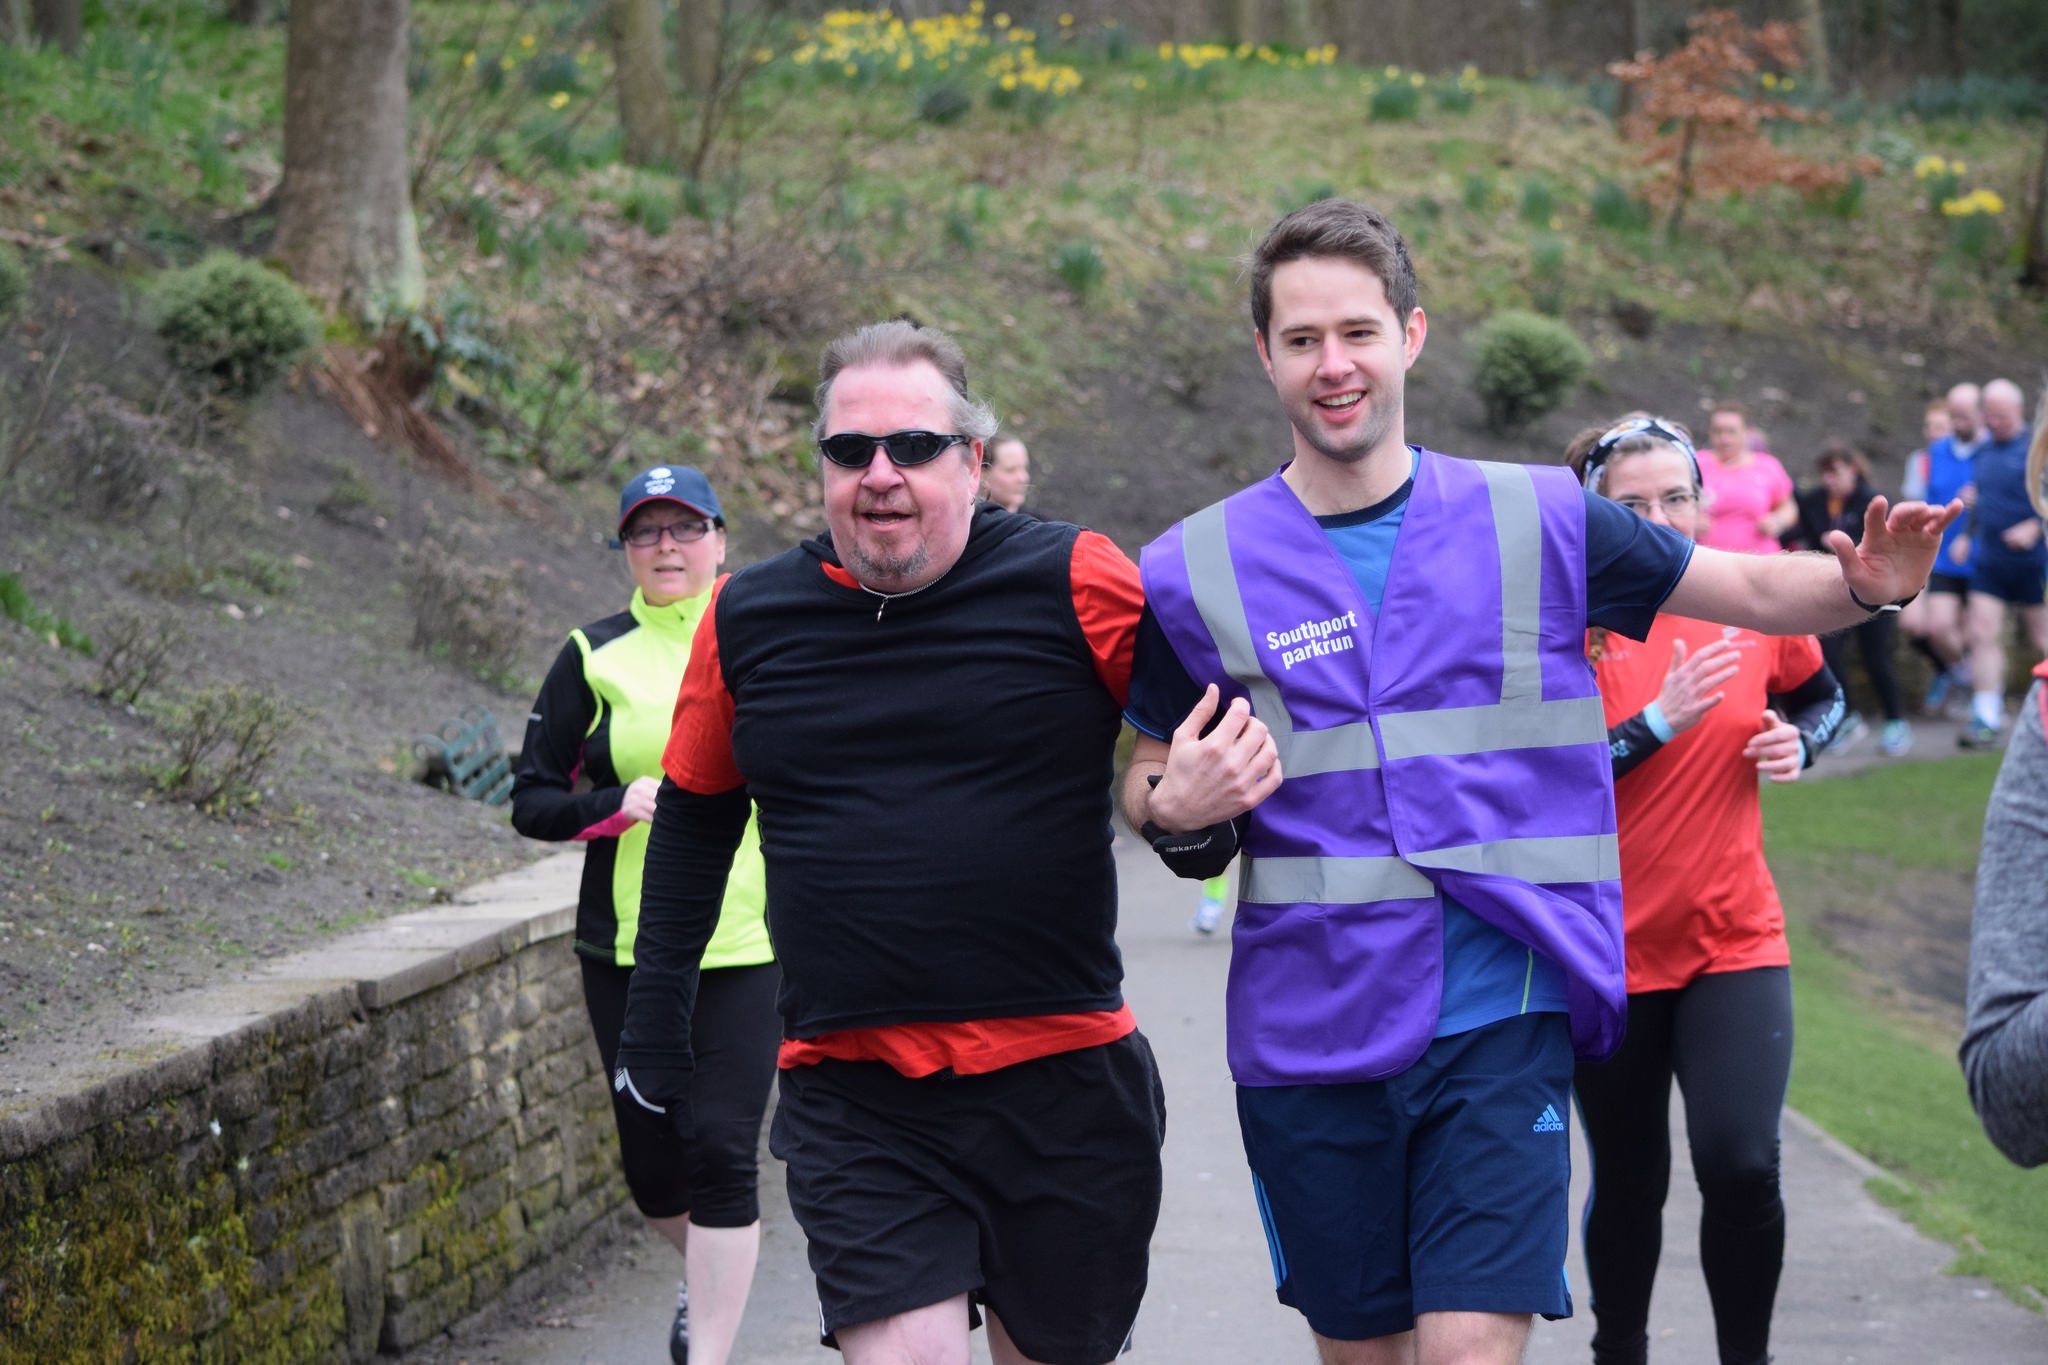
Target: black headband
1652, 427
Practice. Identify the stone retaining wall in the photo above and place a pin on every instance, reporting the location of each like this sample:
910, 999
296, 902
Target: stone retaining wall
345, 1154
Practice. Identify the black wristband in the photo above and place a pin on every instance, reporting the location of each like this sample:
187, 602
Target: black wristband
1882, 608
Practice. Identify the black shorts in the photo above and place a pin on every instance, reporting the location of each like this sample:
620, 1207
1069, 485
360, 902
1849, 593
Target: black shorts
1034, 1189
1954, 584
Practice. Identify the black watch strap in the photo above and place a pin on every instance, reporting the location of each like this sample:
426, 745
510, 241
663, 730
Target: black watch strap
1883, 607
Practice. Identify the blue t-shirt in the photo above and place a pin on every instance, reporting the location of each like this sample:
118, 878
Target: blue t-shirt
1632, 565
2000, 471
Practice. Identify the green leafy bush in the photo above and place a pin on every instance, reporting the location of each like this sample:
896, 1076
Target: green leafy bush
223, 740
1525, 365
1539, 203
1080, 266
14, 283
1615, 209
943, 103
1395, 100
233, 323
651, 205
1478, 192
16, 605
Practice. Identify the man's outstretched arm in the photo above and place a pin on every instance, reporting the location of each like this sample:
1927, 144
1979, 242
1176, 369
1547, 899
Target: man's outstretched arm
1811, 594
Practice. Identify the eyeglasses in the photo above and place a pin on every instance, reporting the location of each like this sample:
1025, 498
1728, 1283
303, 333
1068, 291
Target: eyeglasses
1672, 503
681, 532
854, 449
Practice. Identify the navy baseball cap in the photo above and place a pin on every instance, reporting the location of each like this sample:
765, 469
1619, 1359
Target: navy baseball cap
671, 483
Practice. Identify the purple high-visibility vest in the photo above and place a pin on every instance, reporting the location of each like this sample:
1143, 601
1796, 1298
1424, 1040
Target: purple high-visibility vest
1452, 745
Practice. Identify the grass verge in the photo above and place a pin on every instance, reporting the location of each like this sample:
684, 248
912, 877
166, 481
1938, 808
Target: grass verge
1888, 1087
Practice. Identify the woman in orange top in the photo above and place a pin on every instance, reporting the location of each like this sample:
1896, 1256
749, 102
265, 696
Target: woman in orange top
1696, 714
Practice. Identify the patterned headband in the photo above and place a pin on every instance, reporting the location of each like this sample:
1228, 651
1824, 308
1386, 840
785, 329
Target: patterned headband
1655, 428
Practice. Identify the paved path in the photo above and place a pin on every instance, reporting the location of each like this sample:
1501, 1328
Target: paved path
1861, 1286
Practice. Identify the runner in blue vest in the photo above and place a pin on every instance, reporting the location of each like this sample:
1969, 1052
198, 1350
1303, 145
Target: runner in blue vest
1368, 672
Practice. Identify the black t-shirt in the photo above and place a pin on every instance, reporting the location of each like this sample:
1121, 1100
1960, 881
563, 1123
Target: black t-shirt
1632, 564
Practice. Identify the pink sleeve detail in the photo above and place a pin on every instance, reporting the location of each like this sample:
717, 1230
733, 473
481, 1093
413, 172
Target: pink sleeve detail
611, 827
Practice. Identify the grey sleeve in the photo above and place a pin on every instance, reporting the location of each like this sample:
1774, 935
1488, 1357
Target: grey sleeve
2005, 1039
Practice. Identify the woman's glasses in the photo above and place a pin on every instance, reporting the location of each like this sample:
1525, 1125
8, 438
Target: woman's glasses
1672, 503
854, 449
681, 532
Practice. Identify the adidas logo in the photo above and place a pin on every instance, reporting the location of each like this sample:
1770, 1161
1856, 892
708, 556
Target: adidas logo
1548, 1121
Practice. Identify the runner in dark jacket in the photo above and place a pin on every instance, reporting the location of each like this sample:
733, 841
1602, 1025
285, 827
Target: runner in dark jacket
588, 772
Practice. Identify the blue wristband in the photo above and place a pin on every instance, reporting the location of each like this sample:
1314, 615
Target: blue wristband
1653, 716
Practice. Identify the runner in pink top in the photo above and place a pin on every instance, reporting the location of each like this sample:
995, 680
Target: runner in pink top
1749, 494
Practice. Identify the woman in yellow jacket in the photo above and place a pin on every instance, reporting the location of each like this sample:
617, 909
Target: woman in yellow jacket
588, 772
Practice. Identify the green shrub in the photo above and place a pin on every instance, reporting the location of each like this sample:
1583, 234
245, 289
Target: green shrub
1976, 97
1547, 272
1395, 100
16, 605
223, 739
1525, 365
650, 205
138, 654
1080, 266
233, 323
1976, 237
1539, 203
1615, 209
469, 612
960, 230
1844, 200
943, 103
1478, 191
14, 285
1453, 97
1302, 193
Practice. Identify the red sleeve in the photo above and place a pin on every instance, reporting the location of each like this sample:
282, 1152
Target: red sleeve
1107, 601
699, 754
1795, 658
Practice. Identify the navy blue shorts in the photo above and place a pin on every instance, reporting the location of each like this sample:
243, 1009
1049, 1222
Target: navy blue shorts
2018, 580
1443, 1189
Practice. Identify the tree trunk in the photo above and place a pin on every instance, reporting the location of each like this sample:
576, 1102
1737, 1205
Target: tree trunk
345, 228
2035, 273
700, 42
1951, 12
1240, 21
644, 110
250, 12
58, 21
1813, 24
10, 23
1296, 25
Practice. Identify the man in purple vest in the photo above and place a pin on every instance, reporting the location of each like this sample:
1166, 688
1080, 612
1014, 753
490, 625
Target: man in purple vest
1367, 672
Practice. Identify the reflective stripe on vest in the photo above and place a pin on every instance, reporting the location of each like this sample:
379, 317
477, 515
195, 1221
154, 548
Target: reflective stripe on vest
1521, 720
1213, 582
1356, 881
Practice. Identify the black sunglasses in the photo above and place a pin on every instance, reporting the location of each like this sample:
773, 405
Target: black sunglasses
854, 449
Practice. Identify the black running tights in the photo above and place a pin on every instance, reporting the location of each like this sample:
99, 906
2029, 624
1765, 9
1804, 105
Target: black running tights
1874, 638
1727, 1037
734, 1033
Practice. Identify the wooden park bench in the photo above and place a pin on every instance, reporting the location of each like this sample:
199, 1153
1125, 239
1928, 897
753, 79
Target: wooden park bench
468, 758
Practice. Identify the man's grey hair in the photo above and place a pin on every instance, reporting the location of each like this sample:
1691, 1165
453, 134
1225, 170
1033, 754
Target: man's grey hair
2007, 391
899, 343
